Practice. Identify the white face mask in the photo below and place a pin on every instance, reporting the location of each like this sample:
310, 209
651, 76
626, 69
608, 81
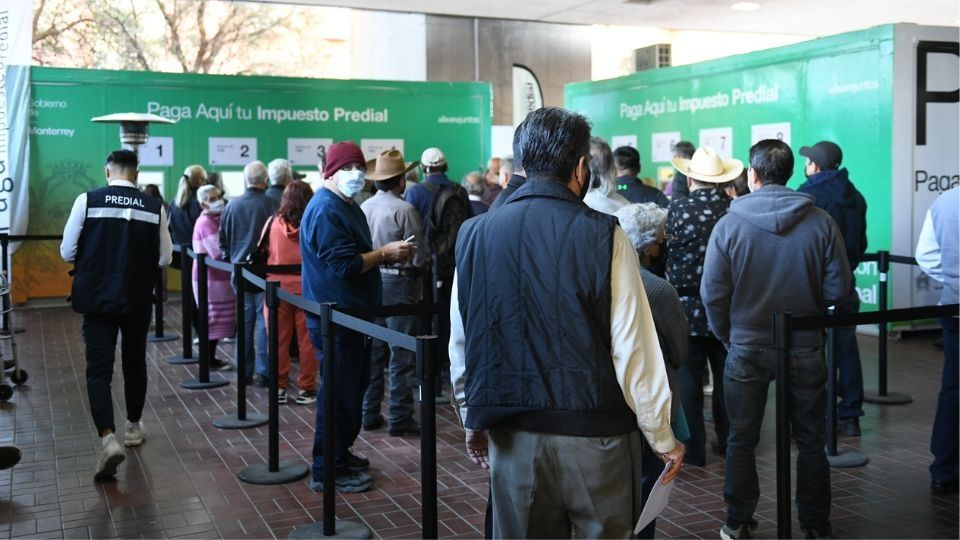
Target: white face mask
350, 182
215, 207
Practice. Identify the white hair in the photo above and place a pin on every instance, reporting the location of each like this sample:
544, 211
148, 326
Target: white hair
255, 174
642, 222
279, 171
203, 191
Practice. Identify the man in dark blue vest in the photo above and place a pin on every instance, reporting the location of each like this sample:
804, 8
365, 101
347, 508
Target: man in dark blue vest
554, 353
117, 238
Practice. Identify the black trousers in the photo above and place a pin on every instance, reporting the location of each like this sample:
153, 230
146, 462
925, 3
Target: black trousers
100, 336
703, 352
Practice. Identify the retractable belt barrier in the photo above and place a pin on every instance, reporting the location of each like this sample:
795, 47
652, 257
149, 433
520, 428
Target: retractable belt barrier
784, 324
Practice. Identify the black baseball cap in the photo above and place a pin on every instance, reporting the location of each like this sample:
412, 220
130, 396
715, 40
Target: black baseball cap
825, 154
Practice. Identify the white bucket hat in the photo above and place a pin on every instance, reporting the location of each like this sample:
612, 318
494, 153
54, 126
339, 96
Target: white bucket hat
706, 166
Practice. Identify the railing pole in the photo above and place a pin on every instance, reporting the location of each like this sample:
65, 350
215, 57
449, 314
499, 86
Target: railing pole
242, 420
884, 397
427, 372
782, 343
837, 459
203, 381
158, 324
329, 423
186, 308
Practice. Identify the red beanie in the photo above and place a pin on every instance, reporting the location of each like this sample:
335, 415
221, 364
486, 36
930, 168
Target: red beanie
340, 155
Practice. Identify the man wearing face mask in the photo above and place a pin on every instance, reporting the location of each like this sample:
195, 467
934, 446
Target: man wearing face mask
554, 354
117, 238
341, 265
240, 230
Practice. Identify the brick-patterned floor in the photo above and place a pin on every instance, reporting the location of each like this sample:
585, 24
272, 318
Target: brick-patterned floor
182, 482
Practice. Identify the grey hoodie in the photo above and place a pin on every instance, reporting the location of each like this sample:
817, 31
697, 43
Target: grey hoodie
773, 251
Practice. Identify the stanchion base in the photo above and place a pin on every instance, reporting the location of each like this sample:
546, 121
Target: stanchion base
180, 360
160, 339
260, 473
197, 384
892, 398
345, 529
848, 459
232, 422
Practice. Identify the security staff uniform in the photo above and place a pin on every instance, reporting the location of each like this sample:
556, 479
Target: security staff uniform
118, 239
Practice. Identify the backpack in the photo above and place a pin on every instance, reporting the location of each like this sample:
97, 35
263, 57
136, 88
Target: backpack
448, 210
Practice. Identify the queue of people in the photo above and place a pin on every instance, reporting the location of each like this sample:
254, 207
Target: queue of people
582, 317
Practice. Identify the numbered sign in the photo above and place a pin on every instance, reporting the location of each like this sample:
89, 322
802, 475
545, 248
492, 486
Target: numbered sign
720, 139
779, 131
232, 150
157, 152
372, 147
623, 140
307, 151
661, 150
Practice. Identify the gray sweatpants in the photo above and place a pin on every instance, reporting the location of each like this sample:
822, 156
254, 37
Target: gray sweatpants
544, 485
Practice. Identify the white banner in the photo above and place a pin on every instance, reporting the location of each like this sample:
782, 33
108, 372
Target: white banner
16, 42
527, 96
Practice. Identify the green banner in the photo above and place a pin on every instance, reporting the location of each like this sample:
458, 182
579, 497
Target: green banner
223, 123
838, 88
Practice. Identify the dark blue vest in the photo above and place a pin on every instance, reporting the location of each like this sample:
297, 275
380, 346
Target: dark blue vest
533, 283
118, 252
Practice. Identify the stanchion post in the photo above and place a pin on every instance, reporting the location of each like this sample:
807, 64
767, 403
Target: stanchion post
203, 381
782, 330
242, 420
5, 253
882, 396
274, 471
186, 308
837, 459
329, 421
158, 324
427, 372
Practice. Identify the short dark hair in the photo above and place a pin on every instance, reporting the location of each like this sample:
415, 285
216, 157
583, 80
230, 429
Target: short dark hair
627, 158
772, 162
684, 149
389, 183
123, 158
431, 169
552, 141
517, 150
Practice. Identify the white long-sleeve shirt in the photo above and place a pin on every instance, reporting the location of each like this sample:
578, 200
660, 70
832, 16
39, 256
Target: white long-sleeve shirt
71, 232
637, 359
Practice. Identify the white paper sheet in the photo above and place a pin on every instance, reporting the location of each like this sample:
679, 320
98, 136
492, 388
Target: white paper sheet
656, 502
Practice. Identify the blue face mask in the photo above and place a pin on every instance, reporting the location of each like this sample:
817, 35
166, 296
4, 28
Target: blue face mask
350, 182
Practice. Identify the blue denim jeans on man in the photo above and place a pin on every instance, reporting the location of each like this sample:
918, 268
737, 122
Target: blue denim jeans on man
255, 327
747, 374
944, 440
850, 378
352, 376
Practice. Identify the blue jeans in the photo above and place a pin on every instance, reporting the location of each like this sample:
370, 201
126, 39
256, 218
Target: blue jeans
944, 441
401, 362
353, 374
748, 373
255, 328
850, 379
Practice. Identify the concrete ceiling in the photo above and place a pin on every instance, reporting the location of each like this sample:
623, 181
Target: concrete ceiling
802, 17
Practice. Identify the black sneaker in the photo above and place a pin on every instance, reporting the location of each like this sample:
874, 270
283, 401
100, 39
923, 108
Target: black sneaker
355, 463
818, 532
9, 456
217, 364
848, 427
743, 531
942, 488
261, 381
281, 396
306, 397
406, 429
346, 482
375, 423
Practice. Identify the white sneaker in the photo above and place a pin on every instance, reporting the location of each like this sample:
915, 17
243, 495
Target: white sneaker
110, 457
135, 434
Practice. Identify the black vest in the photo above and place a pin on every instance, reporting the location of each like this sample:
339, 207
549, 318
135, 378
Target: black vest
533, 283
118, 252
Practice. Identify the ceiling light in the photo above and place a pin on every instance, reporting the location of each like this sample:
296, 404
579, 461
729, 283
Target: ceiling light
745, 6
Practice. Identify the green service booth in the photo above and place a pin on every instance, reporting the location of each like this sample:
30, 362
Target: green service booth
223, 123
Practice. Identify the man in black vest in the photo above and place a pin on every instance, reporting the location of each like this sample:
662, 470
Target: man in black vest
117, 238
553, 350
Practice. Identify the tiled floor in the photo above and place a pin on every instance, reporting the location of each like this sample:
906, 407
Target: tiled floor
182, 482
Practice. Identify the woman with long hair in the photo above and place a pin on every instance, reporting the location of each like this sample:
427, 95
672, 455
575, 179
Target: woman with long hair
282, 234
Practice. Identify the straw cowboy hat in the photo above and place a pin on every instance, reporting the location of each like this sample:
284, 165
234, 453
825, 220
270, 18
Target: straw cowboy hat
389, 164
706, 166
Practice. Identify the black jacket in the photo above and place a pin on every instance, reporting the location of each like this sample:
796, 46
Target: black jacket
533, 283
836, 194
515, 182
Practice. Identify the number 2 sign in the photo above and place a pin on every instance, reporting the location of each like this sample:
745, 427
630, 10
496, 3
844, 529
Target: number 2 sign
232, 150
